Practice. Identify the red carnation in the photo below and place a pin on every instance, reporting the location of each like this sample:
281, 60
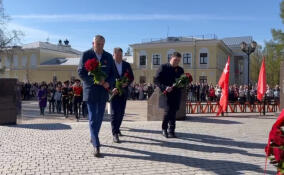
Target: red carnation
91, 64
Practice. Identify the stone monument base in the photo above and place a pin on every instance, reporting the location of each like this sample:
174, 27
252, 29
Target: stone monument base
156, 113
8, 107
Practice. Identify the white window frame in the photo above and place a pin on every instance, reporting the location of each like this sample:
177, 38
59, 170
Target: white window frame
15, 61
204, 65
186, 64
7, 62
169, 54
142, 53
159, 61
24, 61
33, 61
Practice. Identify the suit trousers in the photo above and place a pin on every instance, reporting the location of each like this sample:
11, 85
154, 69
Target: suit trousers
169, 119
96, 112
118, 105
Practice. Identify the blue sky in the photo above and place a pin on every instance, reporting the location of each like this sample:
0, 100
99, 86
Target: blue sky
125, 22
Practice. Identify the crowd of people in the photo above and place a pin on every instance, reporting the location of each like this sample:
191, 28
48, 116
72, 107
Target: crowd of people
58, 97
62, 98
202, 92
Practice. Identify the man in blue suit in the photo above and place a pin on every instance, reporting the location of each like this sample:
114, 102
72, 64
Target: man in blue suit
118, 103
96, 95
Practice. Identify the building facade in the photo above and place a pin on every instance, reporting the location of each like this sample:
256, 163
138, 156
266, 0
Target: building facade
29, 62
204, 58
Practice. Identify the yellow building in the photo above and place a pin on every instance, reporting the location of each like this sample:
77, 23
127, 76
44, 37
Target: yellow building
39, 61
204, 58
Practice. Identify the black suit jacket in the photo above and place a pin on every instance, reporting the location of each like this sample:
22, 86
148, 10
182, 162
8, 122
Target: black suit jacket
166, 76
125, 68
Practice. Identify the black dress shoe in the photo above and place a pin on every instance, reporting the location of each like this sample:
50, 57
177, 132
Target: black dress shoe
116, 138
172, 135
119, 133
97, 152
165, 133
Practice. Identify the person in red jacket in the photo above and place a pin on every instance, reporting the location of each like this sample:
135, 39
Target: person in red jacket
211, 93
77, 99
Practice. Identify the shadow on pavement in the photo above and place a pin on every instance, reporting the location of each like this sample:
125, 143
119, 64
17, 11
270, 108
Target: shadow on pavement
205, 139
193, 147
43, 126
210, 120
221, 167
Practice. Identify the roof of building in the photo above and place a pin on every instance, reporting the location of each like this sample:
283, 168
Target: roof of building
73, 61
49, 46
229, 41
178, 39
62, 61
236, 41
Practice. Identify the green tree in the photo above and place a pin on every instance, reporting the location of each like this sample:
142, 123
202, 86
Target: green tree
274, 51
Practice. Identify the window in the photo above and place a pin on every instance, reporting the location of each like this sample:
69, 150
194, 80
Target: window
170, 53
15, 61
156, 59
142, 60
203, 79
187, 58
24, 61
203, 58
54, 78
169, 57
33, 60
7, 62
142, 79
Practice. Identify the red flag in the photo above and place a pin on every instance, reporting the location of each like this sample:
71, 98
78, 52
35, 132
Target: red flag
261, 85
224, 84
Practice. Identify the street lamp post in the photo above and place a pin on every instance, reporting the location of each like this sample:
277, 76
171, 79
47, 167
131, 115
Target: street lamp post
248, 49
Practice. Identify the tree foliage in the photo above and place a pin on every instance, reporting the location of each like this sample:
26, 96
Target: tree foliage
274, 51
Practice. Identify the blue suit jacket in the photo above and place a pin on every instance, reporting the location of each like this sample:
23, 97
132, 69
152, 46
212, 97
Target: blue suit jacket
125, 68
92, 92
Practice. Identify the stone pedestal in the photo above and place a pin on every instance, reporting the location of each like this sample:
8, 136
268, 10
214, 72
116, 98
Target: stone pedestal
281, 86
156, 113
8, 107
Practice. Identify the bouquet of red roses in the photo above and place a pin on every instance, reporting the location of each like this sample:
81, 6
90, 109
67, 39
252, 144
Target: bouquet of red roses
182, 81
119, 82
94, 68
275, 147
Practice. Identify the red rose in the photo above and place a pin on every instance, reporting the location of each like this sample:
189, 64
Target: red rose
188, 75
278, 154
276, 136
91, 64
126, 74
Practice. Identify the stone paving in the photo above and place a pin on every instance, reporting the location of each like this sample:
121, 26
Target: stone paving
206, 145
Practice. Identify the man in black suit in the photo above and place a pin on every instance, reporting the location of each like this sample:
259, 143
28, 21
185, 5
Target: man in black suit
118, 103
96, 95
165, 78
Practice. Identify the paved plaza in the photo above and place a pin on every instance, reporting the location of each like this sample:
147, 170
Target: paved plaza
205, 145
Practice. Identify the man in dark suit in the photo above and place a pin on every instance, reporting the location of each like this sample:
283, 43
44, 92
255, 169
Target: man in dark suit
165, 78
118, 103
96, 95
